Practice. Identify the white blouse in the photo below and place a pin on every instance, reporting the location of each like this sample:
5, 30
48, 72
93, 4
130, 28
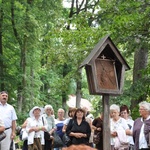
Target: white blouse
32, 122
117, 125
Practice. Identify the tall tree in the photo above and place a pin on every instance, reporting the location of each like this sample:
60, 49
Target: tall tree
2, 86
128, 24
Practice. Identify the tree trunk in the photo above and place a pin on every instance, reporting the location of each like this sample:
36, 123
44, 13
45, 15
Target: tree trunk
1, 51
140, 63
78, 90
64, 93
23, 48
22, 85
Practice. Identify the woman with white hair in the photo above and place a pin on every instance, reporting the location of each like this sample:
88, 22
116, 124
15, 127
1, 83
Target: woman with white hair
141, 127
50, 125
119, 129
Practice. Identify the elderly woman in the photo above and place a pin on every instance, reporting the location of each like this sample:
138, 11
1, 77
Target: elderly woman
141, 127
119, 129
78, 128
36, 125
50, 125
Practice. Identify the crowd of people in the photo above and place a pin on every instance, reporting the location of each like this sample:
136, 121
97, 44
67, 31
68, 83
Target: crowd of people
84, 131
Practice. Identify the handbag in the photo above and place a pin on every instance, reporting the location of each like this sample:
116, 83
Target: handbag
46, 133
23, 135
96, 138
66, 140
11, 145
57, 141
2, 136
47, 136
131, 147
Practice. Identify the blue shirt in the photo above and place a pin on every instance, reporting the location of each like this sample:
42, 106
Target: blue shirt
59, 125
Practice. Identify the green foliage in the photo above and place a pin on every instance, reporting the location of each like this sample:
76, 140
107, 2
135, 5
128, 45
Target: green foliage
135, 113
53, 52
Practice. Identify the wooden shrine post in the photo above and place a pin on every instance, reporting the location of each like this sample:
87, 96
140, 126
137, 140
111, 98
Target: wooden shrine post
105, 68
106, 124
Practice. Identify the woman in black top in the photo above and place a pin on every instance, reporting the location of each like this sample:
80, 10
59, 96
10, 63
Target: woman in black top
78, 129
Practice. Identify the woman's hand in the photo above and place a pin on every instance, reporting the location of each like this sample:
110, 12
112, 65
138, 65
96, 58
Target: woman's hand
114, 134
99, 129
52, 131
36, 129
79, 135
128, 132
13, 135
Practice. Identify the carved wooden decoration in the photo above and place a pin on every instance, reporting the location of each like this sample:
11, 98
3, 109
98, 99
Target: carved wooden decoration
106, 74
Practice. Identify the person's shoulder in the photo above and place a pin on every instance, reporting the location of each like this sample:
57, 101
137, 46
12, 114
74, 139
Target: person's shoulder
88, 119
52, 117
98, 119
131, 120
67, 121
90, 116
137, 120
59, 121
122, 120
29, 119
9, 106
44, 116
85, 121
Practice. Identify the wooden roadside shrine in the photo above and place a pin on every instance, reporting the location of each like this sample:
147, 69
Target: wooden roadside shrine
105, 68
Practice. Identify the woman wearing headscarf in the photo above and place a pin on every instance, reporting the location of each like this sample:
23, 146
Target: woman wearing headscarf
35, 129
141, 127
78, 128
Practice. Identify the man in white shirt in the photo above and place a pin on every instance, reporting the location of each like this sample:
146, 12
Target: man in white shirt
9, 118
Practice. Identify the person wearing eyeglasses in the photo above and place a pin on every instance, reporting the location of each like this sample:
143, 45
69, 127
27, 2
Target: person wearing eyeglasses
124, 113
9, 118
141, 127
